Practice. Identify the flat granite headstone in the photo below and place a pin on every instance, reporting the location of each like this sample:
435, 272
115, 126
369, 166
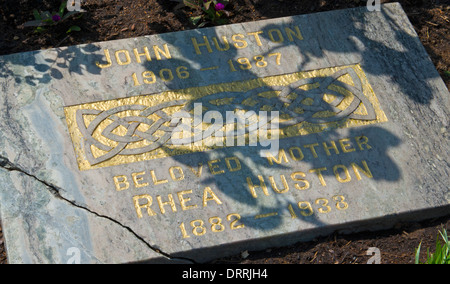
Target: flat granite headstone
120, 151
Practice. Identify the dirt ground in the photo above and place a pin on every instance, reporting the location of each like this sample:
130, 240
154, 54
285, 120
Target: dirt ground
117, 19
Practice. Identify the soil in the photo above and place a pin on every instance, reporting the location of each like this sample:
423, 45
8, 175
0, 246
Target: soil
117, 19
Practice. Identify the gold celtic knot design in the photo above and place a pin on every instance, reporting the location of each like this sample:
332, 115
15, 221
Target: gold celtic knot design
140, 128
301, 100
132, 134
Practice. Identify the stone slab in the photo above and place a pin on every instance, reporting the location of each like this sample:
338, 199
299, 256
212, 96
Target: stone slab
89, 172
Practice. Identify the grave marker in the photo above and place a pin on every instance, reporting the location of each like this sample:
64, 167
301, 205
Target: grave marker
193, 145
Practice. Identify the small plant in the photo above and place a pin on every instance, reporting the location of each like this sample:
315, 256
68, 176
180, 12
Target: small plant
51, 19
441, 254
213, 12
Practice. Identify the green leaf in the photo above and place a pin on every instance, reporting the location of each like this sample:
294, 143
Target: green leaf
437, 256
195, 20
36, 14
442, 251
211, 14
33, 23
418, 254
46, 15
428, 256
447, 73
39, 30
444, 232
74, 29
62, 8
191, 3
207, 5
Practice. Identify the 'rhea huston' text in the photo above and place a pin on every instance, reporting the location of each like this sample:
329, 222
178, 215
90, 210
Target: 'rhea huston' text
257, 184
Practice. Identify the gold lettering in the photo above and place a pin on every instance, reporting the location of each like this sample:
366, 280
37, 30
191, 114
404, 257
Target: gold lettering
319, 171
127, 57
198, 45
214, 197
170, 202
366, 170
283, 181
180, 173
281, 156
155, 179
123, 181
158, 51
327, 148
252, 187
279, 34
147, 205
230, 168
296, 33
108, 59
346, 145
294, 178
256, 35
244, 43
216, 43
338, 177
300, 153
184, 200
212, 167
311, 147
138, 55
360, 143
137, 179
198, 173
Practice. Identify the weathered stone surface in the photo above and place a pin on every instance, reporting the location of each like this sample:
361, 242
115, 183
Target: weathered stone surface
85, 174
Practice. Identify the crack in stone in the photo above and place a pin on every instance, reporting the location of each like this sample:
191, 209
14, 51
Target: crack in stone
55, 191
